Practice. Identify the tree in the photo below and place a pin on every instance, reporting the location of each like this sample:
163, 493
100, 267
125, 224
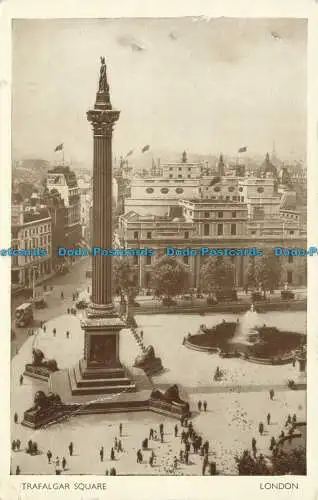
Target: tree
216, 274
290, 462
170, 277
249, 466
125, 278
264, 272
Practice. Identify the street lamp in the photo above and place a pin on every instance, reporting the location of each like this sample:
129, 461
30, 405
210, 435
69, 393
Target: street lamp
34, 269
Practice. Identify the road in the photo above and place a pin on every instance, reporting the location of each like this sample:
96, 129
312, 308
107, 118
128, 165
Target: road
68, 283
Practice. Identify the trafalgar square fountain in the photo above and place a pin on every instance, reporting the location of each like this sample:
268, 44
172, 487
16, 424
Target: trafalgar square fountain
251, 339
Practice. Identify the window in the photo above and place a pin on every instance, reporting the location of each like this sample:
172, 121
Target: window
179, 190
289, 277
148, 235
220, 229
189, 176
164, 190
135, 261
136, 235
234, 198
179, 169
189, 169
220, 215
148, 260
186, 235
253, 232
233, 229
242, 198
234, 215
25, 234
240, 189
260, 190
217, 189
186, 259
231, 189
290, 259
227, 198
149, 190
170, 176
291, 232
206, 229
206, 215
170, 168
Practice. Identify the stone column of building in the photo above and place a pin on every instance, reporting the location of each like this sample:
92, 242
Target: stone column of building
101, 371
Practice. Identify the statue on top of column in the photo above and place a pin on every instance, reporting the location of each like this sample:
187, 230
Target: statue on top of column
103, 84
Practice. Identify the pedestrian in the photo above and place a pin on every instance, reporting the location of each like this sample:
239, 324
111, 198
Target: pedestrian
204, 464
176, 431
62, 295
67, 334
182, 437
49, 456
112, 471
68, 310
106, 472
288, 421
261, 428
18, 443
54, 332
271, 394
294, 362
141, 334
181, 456
120, 429
21, 379
175, 462
161, 437
273, 443
294, 419
186, 457
112, 454
120, 446
15, 418
18, 471
13, 445
151, 433
205, 405
44, 328
57, 462
199, 405
115, 443
161, 429
253, 443
151, 458
268, 418
71, 448
212, 468
101, 454
139, 457
63, 463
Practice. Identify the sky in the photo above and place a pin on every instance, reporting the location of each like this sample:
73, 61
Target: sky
207, 86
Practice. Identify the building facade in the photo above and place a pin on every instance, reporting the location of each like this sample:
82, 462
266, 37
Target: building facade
31, 228
62, 179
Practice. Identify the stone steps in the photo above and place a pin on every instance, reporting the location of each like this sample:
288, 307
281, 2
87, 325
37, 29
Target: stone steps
80, 386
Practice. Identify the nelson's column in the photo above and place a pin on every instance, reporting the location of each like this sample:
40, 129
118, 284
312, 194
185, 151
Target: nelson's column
101, 371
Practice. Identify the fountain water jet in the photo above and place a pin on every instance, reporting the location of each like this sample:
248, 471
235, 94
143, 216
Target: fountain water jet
246, 332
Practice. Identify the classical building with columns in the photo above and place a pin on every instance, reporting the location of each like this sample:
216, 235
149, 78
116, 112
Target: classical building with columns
223, 212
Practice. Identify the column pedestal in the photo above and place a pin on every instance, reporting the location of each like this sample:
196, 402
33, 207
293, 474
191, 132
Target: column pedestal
100, 372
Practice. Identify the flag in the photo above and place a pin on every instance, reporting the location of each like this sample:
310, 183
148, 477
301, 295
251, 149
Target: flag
145, 148
59, 147
129, 153
243, 149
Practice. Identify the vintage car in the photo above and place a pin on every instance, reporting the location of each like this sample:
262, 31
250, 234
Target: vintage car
287, 295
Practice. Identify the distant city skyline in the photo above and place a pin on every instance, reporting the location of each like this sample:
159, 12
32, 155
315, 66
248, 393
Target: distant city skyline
208, 86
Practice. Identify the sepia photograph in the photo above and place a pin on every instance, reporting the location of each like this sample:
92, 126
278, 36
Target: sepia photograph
159, 246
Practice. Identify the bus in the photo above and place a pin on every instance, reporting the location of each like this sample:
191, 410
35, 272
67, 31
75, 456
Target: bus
24, 314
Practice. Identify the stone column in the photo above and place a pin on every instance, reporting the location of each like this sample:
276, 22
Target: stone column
102, 118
